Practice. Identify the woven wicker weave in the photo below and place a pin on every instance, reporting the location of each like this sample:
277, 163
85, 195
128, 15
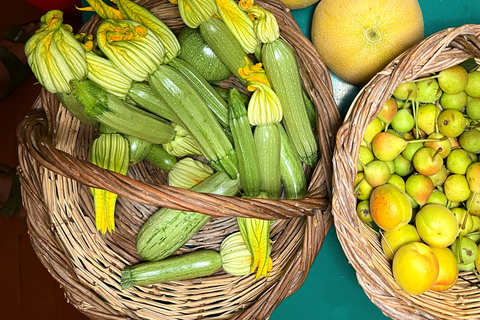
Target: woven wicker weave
361, 246
55, 184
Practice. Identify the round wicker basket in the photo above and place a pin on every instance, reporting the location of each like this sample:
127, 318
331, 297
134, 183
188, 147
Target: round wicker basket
56, 178
362, 246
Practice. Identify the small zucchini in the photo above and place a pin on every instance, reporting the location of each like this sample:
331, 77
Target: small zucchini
192, 265
160, 158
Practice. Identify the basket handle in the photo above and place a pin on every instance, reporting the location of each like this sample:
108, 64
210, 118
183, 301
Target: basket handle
34, 136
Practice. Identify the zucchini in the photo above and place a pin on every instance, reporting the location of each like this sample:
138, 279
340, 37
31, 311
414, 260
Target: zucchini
142, 94
219, 37
192, 265
195, 116
160, 158
282, 70
247, 156
213, 100
138, 150
291, 170
167, 230
225, 93
119, 115
194, 50
77, 109
267, 141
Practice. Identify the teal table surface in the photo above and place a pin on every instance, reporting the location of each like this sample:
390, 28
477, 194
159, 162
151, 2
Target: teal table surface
331, 290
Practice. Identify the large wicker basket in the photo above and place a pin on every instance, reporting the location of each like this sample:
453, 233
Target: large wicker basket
361, 246
55, 182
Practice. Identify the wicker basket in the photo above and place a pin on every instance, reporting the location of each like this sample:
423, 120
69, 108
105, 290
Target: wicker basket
55, 185
361, 246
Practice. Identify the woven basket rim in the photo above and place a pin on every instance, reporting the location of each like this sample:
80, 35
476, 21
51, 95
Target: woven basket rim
362, 247
54, 234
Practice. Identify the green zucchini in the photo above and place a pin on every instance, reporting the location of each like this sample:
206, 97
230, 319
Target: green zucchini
142, 94
213, 100
160, 158
219, 37
194, 50
139, 149
77, 109
291, 170
225, 93
195, 116
247, 156
267, 141
113, 112
167, 230
191, 265
282, 70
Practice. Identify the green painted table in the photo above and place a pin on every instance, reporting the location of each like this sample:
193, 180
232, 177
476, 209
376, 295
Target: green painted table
331, 290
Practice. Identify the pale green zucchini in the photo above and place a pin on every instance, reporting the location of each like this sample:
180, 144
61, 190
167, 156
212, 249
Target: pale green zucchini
192, 265
167, 230
195, 116
281, 66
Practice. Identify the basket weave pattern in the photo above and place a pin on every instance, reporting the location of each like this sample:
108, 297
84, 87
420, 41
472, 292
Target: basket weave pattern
361, 246
56, 176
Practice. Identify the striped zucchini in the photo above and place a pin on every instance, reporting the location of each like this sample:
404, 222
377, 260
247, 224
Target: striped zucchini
213, 100
192, 265
142, 94
111, 111
281, 66
195, 116
219, 37
291, 170
167, 230
267, 141
247, 156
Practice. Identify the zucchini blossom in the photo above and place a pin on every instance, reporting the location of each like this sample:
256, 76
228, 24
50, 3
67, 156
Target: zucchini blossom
54, 55
196, 12
129, 10
107, 76
188, 172
239, 23
183, 143
264, 107
131, 47
265, 23
132, 11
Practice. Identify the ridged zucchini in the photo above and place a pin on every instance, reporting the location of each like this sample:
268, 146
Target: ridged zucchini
192, 265
281, 66
291, 170
195, 116
167, 230
247, 156
267, 141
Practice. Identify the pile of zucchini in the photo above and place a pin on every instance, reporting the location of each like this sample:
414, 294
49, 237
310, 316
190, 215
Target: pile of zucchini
155, 96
